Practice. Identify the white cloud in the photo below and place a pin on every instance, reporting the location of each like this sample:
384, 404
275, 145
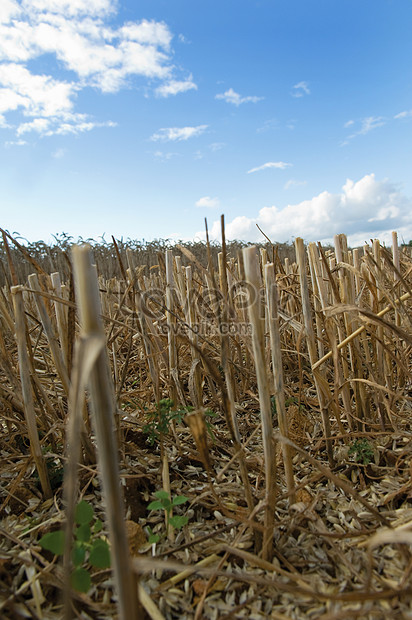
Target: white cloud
207, 201
349, 124
3, 122
268, 125
85, 40
70, 7
217, 146
367, 124
175, 87
39, 125
281, 165
363, 210
370, 123
15, 143
80, 127
74, 124
403, 114
300, 89
59, 153
230, 96
162, 156
35, 94
293, 183
177, 134
8, 9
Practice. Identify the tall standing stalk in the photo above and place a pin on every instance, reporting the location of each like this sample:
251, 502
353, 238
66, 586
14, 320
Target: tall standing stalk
29, 412
61, 317
49, 331
273, 322
223, 319
252, 272
310, 338
103, 409
171, 336
195, 379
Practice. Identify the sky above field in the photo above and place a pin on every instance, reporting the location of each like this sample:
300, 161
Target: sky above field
140, 119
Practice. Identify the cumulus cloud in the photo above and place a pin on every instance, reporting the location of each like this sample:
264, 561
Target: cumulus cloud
281, 165
300, 89
176, 134
363, 210
174, 87
89, 46
230, 96
207, 201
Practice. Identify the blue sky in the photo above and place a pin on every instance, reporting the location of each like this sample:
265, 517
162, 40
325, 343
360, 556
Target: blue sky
140, 119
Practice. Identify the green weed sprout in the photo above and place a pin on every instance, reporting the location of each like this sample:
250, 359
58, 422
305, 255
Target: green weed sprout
88, 549
159, 420
363, 451
163, 502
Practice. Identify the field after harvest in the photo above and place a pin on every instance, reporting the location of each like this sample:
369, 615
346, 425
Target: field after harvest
195, 432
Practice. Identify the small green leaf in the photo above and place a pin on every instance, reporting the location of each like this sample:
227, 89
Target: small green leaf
54, 542
178, 522
83, 533
156, 505
84, 512
180, 499
154, 538
78, 554
81, 580
100, 554
97, 527
162, 495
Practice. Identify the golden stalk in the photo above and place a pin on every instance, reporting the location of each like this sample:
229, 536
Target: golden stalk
104, 409
29, 412
252, 271
273, 320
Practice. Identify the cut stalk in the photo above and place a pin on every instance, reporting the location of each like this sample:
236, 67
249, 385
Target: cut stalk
104, 408
171, 336
223, 319
29, 412
61, 316
273, 320
310, 336
252, 271
49, 331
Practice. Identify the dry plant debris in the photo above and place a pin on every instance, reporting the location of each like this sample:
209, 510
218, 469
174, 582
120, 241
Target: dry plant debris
187, 420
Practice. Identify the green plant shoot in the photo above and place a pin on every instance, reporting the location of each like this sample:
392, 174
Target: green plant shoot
363, 451
164, 502
88, 548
